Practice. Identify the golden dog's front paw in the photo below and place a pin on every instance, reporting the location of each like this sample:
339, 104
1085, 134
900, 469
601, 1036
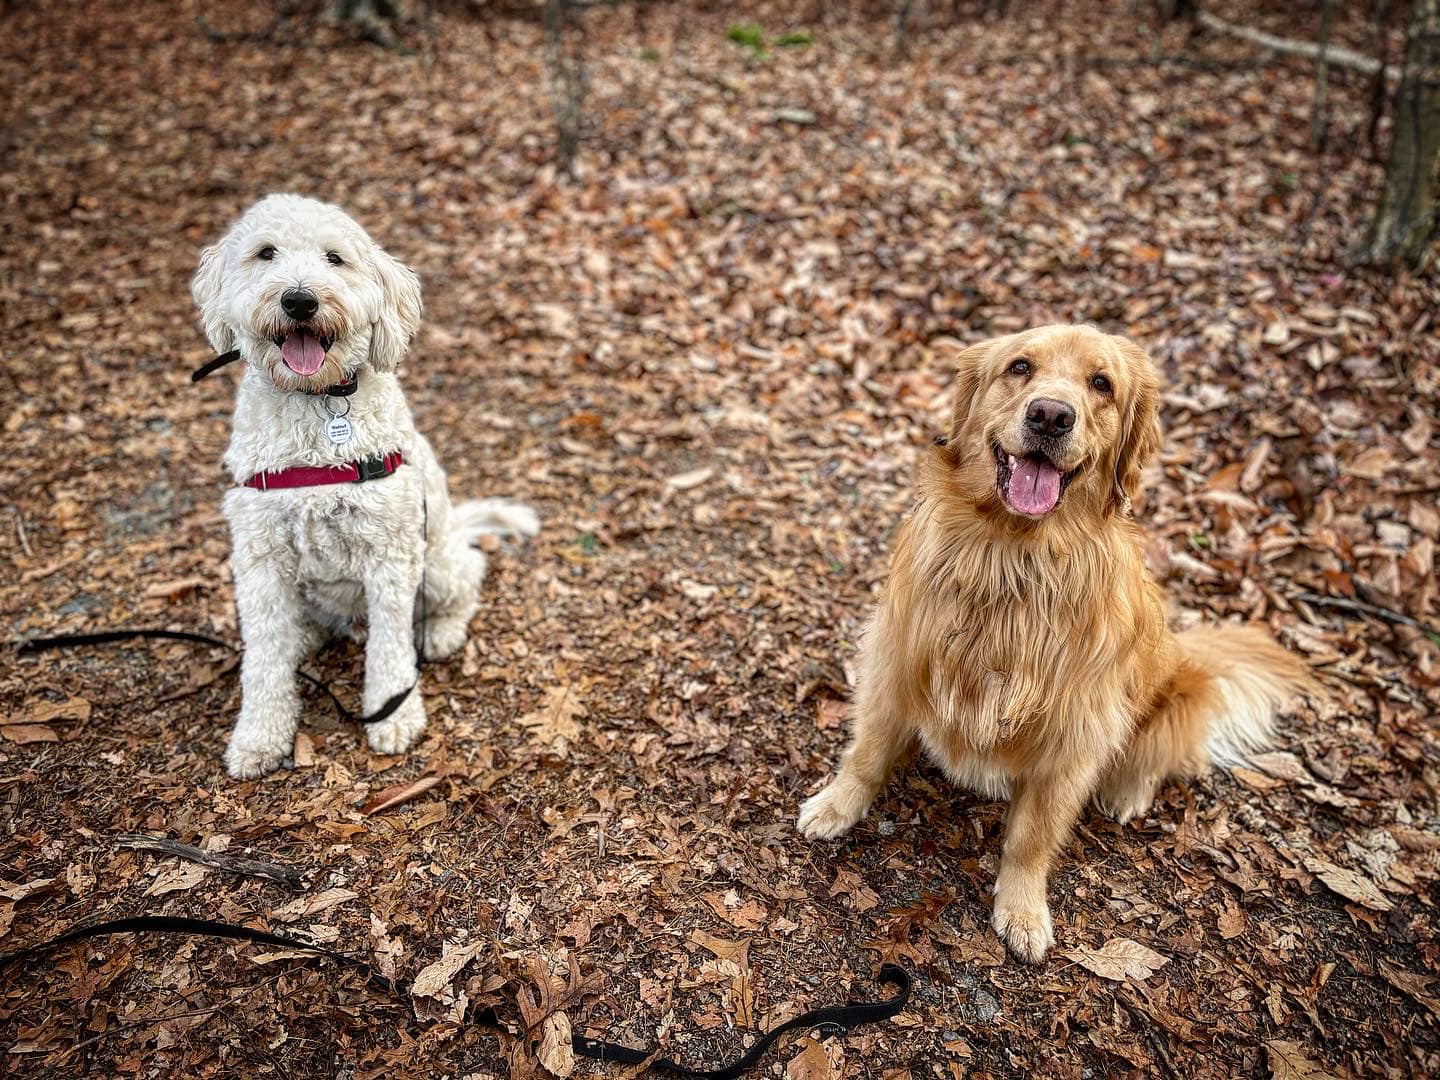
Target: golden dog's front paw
834, 811
1028, 933
1128, 799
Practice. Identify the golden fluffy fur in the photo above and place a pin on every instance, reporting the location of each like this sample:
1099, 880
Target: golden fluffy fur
1024, 641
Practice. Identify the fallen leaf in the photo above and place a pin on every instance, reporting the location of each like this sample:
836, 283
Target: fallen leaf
177, 878
687, 480
1349, 884
813, 1062
830, 714
303, 754
314, 905
23, 734
1121, 959
1232, 920
1288, 1061
396, 794
174, 590
17, 892
1414, 985
75, 708
556, 1052
433, 980
554, 723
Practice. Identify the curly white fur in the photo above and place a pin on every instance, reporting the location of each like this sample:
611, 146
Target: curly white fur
312, 561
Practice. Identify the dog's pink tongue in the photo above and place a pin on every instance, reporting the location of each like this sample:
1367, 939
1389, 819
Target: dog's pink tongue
302, 352
1034, 486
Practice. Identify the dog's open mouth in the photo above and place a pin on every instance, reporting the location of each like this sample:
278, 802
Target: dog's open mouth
302, 349
1030, 485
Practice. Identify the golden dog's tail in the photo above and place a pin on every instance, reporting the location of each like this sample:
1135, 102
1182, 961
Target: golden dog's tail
1218, 707
1251, 677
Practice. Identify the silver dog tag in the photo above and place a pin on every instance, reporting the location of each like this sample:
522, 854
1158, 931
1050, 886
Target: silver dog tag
338, 430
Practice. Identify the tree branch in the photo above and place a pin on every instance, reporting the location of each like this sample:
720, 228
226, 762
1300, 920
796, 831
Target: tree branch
1334, 54
233, 864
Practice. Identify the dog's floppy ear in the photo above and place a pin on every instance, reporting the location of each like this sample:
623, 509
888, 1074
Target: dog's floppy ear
205, 287
399, 316
1139, 425
967, 387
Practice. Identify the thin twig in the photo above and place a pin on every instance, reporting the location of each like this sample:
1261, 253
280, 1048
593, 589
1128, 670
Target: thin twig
1369, 609
233, 864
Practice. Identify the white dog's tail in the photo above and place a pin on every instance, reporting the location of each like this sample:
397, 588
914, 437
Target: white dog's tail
495, 517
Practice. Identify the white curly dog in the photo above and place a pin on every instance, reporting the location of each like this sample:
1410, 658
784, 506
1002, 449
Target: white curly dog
334, 484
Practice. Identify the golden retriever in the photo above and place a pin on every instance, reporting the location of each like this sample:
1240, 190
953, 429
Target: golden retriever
1021, 636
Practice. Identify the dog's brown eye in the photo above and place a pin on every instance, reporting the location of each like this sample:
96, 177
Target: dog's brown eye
265, 254
335, 259
1019, 367
1100, 383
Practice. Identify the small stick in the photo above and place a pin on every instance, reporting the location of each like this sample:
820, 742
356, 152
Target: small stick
281, 875
20, 533
1370, 609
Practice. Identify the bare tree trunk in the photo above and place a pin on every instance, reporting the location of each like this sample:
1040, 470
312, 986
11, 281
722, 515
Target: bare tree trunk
374, 19
565, 68
1322, 79
1407, 219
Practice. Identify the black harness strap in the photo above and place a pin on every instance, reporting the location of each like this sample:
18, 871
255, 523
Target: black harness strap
833, 1020
109, 637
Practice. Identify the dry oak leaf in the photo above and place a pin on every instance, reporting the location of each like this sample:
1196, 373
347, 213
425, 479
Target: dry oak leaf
1349, 884
1288, 1061
554, 723
1120, 959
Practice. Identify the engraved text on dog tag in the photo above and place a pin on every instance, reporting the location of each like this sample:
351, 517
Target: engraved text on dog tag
338, 430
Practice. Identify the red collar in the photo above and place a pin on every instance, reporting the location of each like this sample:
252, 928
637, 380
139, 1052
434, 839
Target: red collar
352, 472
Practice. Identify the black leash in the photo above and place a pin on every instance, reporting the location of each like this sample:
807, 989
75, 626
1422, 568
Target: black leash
109, 637
832, 1020
212, 366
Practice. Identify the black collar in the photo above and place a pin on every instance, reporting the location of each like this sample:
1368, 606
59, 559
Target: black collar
340, 389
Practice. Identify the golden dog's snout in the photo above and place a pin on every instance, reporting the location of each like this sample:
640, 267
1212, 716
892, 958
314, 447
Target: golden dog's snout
1049, 418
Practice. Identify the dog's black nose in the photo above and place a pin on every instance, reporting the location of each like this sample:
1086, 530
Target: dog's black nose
1046, 416
299, 304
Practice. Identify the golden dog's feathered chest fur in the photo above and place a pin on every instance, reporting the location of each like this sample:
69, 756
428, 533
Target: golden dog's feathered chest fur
1015, 653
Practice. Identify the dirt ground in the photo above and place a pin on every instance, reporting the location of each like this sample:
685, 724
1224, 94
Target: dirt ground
711, 360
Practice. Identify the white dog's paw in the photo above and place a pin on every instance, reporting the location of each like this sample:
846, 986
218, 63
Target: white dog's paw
834, 811
1027, 931
444, 636
398, 732
496, 517
254, 754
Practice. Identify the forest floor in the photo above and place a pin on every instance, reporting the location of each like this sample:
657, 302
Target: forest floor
712, 360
